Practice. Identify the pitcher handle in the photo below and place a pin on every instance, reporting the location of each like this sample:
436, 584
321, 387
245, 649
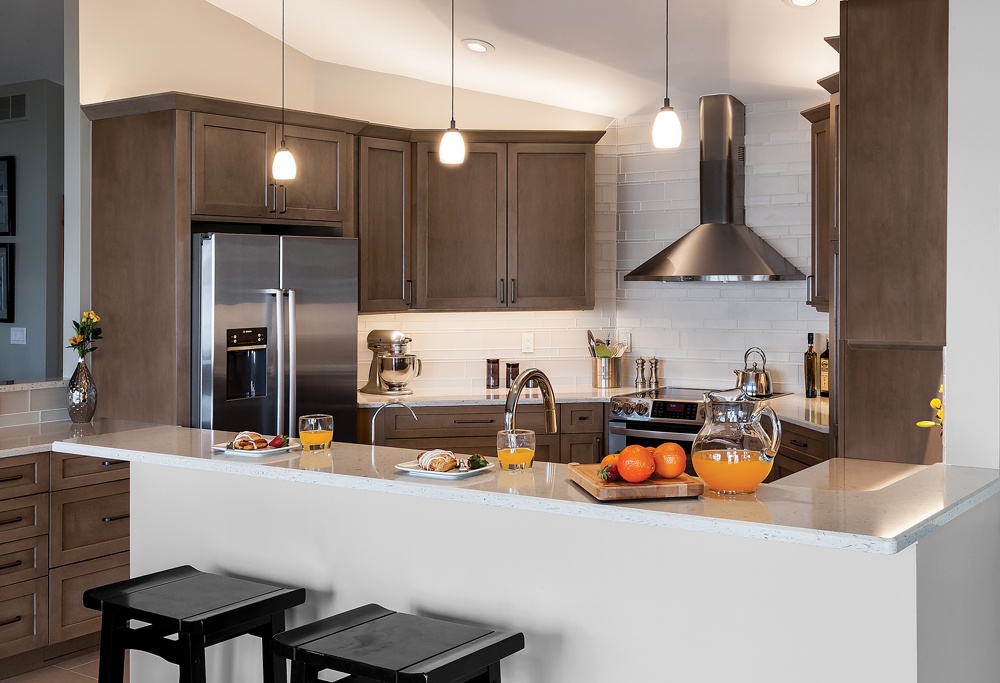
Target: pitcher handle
775, 432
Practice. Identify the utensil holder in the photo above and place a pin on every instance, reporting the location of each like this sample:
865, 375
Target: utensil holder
607, 373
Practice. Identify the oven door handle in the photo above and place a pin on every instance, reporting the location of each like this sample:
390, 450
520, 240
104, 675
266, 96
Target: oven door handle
649, 434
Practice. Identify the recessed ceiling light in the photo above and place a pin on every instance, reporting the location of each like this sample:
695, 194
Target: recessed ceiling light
799, 3
476, 45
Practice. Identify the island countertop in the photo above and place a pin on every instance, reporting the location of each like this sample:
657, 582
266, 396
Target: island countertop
868, 506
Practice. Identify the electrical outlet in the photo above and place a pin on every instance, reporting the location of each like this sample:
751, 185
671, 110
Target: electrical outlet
527, 342
18, 335
626, 339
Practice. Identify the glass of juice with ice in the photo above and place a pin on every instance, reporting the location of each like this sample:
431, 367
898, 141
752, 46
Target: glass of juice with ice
316, 431
515, 448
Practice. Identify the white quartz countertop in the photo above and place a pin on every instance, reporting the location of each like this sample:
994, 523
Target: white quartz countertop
860, 505
37, 437
812, 413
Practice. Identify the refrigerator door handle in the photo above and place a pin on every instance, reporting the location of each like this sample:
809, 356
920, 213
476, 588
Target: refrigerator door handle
279, 332
292, 369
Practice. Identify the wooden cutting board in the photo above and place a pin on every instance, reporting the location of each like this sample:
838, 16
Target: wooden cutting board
684, 486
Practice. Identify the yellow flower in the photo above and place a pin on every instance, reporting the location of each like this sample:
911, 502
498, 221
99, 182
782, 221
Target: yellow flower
940, 414
936, 403
90, 317
76, 339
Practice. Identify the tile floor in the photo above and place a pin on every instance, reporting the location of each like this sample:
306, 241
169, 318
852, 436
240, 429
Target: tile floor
78, 669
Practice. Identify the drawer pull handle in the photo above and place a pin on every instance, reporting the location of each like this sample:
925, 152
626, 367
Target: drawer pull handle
114, 519
13, 477
10, 621
800, 444
11, 520
112, 463
473, 422
10, 565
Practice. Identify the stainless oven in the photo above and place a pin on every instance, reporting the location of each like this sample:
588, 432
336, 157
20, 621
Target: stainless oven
648, 418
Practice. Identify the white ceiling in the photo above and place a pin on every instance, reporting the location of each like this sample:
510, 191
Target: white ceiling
600, 56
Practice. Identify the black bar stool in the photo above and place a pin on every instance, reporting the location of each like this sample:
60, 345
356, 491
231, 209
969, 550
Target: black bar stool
201, 609
376, 644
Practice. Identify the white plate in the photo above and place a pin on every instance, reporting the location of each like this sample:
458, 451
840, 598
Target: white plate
293, 444
412, 467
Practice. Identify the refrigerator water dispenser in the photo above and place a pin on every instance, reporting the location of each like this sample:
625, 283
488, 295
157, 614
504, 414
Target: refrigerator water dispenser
246, 363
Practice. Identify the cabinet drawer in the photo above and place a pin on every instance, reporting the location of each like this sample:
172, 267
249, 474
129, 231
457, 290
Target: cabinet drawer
23, 615
24, 517
577, 418
68, 618
447, 421
24, 475
24, 559
68, 471
89, 522
804, 441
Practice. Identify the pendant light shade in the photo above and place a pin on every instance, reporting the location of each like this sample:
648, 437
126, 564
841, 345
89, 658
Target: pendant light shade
451, 151
667, 125
283, 166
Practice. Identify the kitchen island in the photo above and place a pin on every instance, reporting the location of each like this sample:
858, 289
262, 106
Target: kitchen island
851, 570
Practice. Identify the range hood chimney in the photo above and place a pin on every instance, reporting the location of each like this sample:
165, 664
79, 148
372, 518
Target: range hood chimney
722, 248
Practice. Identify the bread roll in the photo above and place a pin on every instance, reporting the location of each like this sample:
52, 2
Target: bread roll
437, 460
249, 441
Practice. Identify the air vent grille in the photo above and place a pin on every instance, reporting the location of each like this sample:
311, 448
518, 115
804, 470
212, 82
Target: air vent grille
14, 107
741, 153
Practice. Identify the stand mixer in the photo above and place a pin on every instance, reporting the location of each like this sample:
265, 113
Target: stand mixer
392, 367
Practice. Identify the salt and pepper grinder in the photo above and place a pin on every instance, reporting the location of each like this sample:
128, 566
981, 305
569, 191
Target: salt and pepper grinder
640, 373
654, 383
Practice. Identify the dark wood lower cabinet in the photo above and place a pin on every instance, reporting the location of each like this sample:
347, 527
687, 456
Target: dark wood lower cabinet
473, 429
800, 448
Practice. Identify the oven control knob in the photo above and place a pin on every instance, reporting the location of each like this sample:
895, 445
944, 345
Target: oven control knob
641, 409
629, 407
616, 407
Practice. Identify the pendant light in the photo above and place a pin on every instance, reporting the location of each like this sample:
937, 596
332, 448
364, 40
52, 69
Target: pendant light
452, 148
666, 126
283, 166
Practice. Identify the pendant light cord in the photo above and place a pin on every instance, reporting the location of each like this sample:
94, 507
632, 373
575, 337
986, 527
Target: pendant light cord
283, 71
666, 54
452, 63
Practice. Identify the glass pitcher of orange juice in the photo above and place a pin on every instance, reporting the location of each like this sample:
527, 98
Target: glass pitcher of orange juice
732, 452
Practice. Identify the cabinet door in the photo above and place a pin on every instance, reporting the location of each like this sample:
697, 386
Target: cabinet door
231, 160
823, 201
582, 448
323, 187
461, 229
23, 614
550, 225
68, 618
384, 225
89, 522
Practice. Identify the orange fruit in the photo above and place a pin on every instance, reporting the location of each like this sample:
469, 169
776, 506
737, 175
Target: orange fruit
670, 460
610, 460
635, 464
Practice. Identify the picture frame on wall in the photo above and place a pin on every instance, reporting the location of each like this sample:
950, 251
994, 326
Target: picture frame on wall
6, 283
7, 196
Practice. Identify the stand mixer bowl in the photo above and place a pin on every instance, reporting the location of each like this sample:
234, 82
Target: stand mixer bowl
395, 370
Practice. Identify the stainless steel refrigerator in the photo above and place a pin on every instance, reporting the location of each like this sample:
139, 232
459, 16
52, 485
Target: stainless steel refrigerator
274, 332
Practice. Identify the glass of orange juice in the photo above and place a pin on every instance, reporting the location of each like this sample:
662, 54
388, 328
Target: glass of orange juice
515, 448
316, 431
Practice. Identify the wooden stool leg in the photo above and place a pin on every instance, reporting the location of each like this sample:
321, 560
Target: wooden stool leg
111, 668
274, 666
303, 673
192, 658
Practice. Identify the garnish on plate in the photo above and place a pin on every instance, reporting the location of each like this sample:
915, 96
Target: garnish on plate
477, 462
280, 441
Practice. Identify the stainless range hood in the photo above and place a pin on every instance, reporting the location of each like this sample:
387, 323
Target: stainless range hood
722, 248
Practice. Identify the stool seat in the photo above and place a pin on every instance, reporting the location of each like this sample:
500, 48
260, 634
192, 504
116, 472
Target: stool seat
201, 609
376, 644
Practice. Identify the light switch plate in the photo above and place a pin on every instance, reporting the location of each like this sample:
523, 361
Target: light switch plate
18, 335
527, 342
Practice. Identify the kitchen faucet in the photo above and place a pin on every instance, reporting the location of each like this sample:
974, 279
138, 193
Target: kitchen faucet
390, 402
548, 399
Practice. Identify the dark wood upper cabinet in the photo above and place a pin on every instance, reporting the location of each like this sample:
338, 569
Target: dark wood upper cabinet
823, 154
384, 230
231, 175
512, 227
550, 225
461, 229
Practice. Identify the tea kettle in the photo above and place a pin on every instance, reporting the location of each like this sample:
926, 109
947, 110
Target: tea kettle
754, 383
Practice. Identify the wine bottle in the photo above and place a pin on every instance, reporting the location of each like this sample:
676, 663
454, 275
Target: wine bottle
824, 371
810, 368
